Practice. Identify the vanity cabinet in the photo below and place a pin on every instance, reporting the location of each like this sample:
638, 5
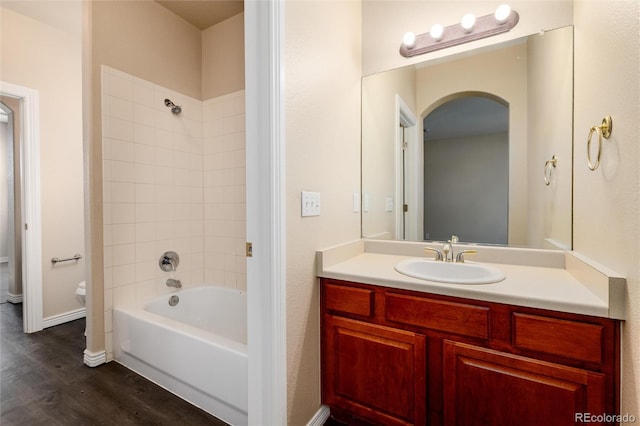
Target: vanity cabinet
399, 357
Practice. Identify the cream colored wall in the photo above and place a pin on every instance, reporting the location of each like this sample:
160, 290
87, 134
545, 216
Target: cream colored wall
378, 158
45, 58
384, 23
549, 133
502, 73
322, 129
606, 202
223, 57
148, 41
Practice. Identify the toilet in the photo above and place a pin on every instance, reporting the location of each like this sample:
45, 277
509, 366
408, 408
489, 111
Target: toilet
81, 292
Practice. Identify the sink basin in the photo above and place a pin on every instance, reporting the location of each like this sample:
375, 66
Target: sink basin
448, 272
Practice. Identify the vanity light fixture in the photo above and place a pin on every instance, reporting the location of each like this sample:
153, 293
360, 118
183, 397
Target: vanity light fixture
470, 29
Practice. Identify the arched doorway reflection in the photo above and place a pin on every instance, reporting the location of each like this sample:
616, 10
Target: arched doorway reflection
466, 169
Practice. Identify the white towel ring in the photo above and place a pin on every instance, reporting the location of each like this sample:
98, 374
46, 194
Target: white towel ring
604, 131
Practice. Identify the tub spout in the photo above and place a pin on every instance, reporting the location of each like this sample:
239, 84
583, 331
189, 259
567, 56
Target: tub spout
171, 282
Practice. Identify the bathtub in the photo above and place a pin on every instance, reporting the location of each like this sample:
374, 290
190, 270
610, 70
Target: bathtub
196, 349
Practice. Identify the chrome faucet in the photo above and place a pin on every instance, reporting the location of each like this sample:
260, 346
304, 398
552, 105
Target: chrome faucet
172, 282
460, 256
447, 250
436, 251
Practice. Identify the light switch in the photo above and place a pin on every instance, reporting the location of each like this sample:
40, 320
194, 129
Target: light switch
310, 203
356, 202
388, 207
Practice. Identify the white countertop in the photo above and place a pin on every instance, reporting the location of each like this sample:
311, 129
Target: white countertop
562, 281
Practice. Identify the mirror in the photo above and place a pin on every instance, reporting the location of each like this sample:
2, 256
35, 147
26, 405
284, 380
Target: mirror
463, 145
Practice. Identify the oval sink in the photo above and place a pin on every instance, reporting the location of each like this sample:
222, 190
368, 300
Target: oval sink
448, 272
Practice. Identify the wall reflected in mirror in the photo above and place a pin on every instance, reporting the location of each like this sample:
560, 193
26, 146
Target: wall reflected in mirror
458, 146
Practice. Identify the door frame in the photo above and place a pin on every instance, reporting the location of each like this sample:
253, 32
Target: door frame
410, 167
31, 204
266, 214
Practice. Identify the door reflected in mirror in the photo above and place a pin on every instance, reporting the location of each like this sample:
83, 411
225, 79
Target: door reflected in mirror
458, 146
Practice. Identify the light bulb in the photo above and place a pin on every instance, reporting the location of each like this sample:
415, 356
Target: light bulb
436, 32
502, 13
409, 39
468, 21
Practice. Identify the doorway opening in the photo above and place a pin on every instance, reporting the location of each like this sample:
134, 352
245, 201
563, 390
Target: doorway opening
24, 246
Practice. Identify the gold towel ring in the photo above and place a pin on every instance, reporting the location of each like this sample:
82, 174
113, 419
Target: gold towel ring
604, 131
549, 165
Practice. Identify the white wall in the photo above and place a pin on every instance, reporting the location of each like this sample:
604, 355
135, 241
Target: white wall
384, 23
606, 202
378, 156
549, 112
322, 112
46, 58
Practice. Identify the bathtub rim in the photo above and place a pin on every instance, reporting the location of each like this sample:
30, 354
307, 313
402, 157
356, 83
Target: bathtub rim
137, 309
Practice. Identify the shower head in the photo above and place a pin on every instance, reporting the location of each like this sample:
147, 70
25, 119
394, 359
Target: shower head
176, 109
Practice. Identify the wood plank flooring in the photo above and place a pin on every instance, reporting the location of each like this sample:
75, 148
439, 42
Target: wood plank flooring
43, 381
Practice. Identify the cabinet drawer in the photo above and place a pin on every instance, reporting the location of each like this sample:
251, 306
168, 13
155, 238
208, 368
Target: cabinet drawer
449, 317
570, 339
349, 300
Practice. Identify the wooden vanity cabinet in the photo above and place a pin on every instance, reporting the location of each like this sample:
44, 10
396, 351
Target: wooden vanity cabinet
398, 357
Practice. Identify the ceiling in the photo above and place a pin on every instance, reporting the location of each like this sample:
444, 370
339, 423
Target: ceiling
204, 13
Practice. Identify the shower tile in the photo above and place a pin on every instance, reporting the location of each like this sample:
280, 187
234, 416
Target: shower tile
121, 171
123, 254
121, 150
145, 193
164, 157
145, 290
123, 295
165, 230
143, 92
123, 213
145, 135
166, 212
146, 252
120, 129
107, 235
108, 278
163, 138
143, 114
122, 234
145, 174
120, 85
181, 160
145, 232
108, 321
123, 192
108, 257
146, 271
144, 154
108, 299
145, 212
121, 108
123, 275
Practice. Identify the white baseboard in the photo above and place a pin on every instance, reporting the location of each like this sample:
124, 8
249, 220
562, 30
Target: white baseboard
94, 359
65, 317
14, 298
320, 417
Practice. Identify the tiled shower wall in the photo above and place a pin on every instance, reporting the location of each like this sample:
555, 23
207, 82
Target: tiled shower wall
171, 182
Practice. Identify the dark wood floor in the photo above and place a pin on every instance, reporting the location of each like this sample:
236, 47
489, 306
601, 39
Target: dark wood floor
43, 381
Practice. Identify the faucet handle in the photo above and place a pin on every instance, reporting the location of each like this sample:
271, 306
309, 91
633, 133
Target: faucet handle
460, 256
454, 239
436, 251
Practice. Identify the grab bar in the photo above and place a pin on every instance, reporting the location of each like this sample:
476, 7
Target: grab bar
58, 260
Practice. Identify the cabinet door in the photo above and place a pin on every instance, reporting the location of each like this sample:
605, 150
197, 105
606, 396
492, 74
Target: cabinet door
486, 387
375, 372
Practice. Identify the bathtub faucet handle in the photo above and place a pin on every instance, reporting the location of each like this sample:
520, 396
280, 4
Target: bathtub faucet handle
169, 261
171, 282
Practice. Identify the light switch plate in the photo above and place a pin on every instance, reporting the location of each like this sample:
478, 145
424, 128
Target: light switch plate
388, 204
356, 202
310, 203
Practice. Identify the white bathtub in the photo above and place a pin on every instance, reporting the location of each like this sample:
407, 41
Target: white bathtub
196, 349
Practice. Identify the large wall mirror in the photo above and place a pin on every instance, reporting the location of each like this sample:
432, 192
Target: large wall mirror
479, 145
